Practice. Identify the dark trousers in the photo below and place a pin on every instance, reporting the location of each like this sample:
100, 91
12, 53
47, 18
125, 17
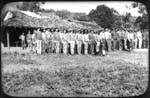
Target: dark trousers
147, 44
108, 44
114, 44
23, 44
102, 46
50, 47
93, 43
144, 43
120, 44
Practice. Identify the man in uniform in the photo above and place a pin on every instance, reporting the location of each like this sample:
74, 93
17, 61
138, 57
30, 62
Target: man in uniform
29, 39
22, 38
85, 42
135, 41
120, 39
125, 36
130, 38
38, 36
47, 34
33, 38
139, 36
50, 44
114, 39
102, 43
79, 41
97, 40
91, 42
144, 39
72, 42
57, 41
64, 41
108, 39
43, 41
147, 39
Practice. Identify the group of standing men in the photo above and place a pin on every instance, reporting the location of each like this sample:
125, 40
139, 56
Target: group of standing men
84, 42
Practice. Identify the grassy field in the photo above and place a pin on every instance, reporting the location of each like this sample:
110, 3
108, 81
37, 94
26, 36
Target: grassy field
120, 73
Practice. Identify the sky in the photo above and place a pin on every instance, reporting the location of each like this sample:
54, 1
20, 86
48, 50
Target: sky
84, 7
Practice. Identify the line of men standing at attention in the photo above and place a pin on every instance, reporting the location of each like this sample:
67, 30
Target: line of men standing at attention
85, 42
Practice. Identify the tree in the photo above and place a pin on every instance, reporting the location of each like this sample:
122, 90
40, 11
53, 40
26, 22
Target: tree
140, 6
81, 16
126, 18
30, 6
64, 14
103, 16
142, 22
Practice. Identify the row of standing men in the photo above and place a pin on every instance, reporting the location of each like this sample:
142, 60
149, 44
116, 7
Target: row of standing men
78, 42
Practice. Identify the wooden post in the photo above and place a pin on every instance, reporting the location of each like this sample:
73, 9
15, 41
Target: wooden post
8, 45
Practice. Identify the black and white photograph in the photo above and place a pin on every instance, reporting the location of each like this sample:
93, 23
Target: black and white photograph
74, 49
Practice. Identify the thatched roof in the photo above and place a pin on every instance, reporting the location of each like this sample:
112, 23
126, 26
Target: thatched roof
92, 25
53, 21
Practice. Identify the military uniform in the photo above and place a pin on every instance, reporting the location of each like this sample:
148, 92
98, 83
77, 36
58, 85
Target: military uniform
50, 43
29, 40
33, 46
125, 34
64, 43
85, 42
135, 40
108, 40
114, 39
57, 42
22, 37
79, 42
120, 38
139, 36
47, 33
130, 38
103, 43
92, 43
97, 39
70, 38
39, 42
43, 42
144, 40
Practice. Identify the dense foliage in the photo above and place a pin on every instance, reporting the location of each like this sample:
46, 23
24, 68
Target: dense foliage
103, 15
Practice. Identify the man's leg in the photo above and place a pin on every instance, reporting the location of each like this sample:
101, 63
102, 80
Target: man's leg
97, 46
109, 44
85, 48
140, 43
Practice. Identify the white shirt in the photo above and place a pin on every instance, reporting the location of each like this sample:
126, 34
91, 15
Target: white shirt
102, 35
139, 34
43, 36
130, 36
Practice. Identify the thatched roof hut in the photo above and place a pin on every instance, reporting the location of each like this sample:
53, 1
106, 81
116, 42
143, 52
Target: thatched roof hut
53, 21
21, 19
